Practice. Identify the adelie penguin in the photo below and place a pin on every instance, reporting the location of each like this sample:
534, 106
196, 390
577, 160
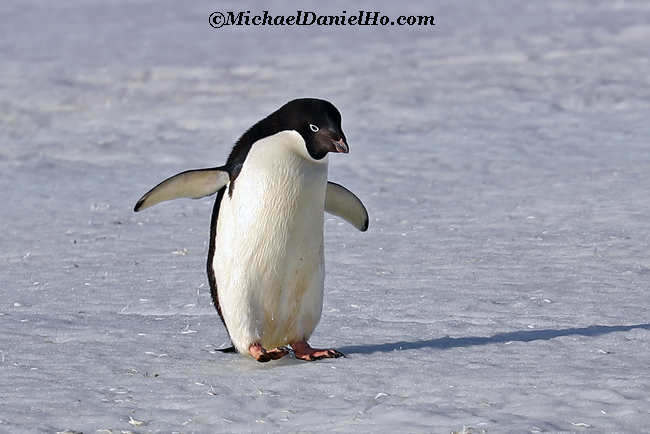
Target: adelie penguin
265, 260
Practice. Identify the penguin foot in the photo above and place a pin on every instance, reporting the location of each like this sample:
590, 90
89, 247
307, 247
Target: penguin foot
304, 351
260, 353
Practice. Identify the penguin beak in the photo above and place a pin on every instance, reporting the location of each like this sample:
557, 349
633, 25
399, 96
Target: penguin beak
341, 146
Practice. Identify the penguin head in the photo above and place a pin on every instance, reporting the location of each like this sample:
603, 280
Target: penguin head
319, 124
317, 121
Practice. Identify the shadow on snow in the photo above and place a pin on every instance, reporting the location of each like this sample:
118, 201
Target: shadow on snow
518, 336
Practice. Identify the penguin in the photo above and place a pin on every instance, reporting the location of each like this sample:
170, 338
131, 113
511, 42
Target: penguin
265, 259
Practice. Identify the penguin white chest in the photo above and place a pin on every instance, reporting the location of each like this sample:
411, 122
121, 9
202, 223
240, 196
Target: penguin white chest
268, 260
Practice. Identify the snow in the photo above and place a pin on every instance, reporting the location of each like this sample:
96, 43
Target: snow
503, 156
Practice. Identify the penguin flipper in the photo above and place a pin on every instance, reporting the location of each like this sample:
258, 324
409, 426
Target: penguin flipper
341, 202
193, 184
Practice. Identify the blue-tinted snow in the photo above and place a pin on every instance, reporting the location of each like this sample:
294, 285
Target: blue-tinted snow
504, 156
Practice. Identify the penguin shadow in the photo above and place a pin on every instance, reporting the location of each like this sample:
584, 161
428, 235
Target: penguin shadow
517, 336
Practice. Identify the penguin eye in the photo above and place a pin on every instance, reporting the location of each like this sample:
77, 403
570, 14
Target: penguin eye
313, 127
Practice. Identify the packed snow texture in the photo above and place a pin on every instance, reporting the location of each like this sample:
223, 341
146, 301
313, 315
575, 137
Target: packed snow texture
503, 155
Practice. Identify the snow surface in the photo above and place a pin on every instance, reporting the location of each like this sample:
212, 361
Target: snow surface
504, 158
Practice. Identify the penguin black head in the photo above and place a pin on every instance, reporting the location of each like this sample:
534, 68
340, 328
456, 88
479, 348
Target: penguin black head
319, 124
316, 120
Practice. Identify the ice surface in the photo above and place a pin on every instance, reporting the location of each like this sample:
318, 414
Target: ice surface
504, 158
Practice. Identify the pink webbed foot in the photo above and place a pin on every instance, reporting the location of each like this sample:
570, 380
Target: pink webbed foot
304, 351
260, 354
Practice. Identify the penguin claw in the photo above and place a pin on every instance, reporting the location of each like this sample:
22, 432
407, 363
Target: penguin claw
260, 354
263, 358
304, 351
278, 353
336, 354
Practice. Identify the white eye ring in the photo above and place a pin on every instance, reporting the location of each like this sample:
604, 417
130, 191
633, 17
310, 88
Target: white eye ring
313, 127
